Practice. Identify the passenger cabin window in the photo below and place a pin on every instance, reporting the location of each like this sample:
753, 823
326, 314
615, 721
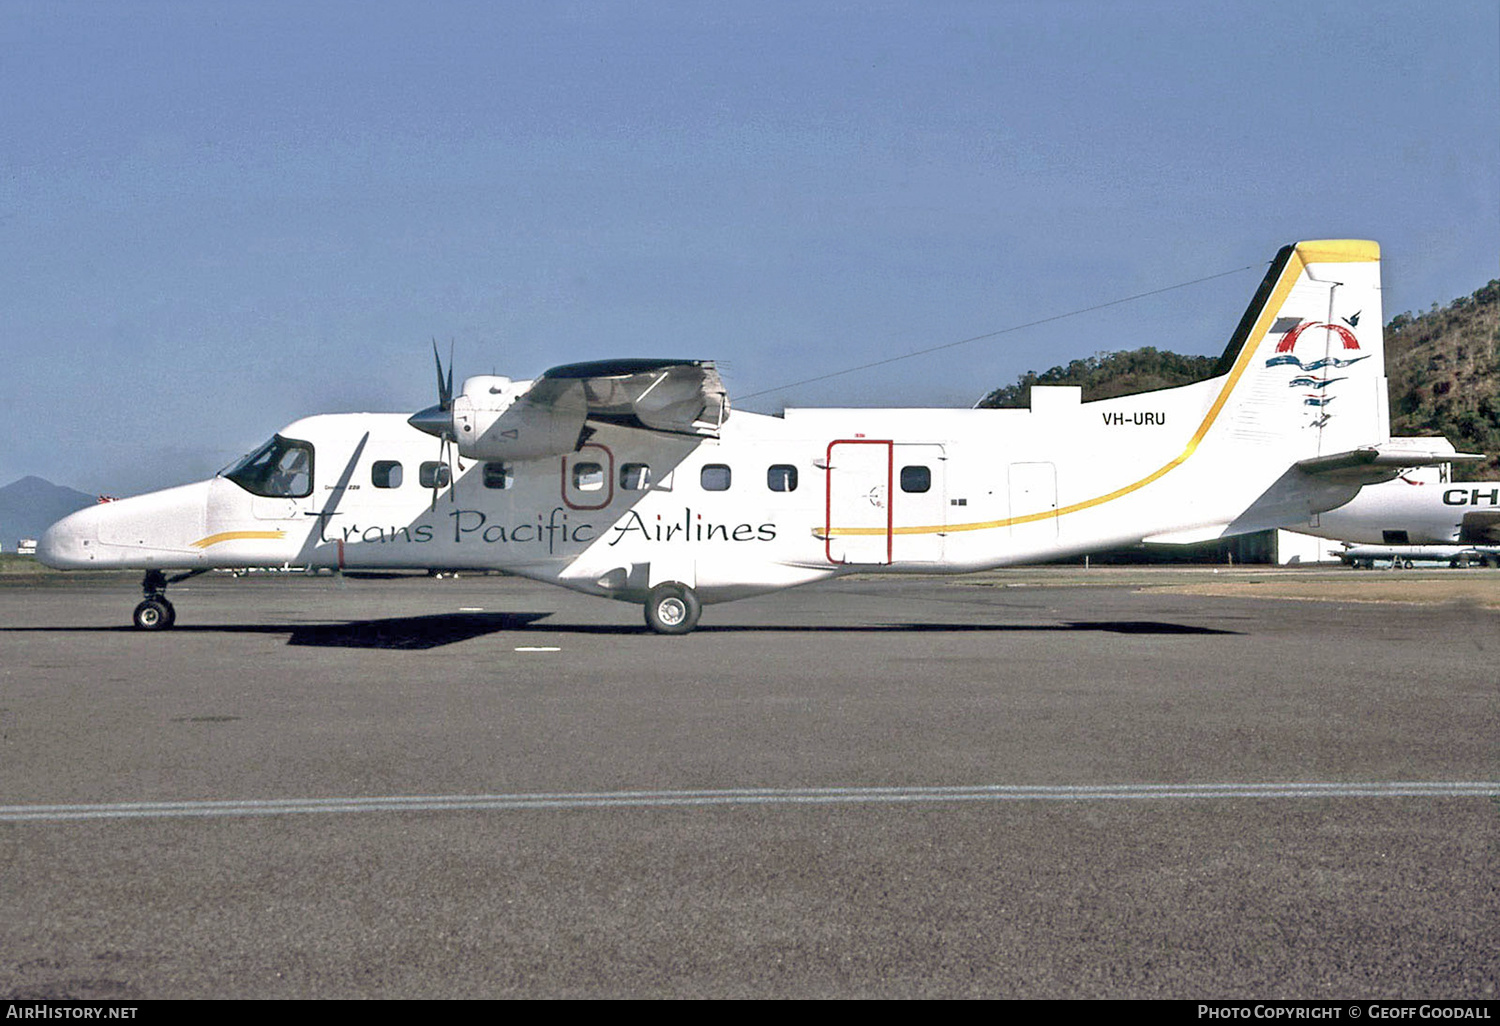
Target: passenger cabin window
280, 469
499, 475
915, 479
714, 478
635, 477
434, 474
386, 474
782, 478
588, 477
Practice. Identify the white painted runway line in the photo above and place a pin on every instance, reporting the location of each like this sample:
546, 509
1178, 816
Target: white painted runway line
750, 796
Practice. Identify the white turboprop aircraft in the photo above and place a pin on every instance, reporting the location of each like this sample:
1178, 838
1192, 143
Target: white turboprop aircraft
629, 479
1413, 511
1414, 519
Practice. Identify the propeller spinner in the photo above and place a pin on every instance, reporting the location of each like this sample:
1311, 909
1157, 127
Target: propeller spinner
438, 420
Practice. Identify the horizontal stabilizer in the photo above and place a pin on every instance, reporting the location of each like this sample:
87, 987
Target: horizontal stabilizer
1191, 536
1373, 464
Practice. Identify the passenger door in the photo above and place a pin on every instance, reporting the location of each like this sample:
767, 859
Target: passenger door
857, 524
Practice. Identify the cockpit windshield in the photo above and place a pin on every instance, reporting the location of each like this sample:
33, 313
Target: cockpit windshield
281, 469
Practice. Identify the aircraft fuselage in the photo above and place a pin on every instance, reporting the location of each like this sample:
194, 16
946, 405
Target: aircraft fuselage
772, 502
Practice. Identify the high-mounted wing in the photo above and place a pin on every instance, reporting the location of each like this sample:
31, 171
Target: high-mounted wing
495, 418
684, 397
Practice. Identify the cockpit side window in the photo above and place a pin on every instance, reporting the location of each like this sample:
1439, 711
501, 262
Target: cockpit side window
280, 469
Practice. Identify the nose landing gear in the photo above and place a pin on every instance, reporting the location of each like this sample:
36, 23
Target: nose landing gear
155, 613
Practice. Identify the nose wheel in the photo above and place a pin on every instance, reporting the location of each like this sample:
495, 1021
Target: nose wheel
155, 613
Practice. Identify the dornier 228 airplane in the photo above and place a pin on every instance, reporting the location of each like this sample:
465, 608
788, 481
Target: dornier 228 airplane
630, 479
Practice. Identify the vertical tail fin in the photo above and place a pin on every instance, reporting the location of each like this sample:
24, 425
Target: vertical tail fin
1307, 363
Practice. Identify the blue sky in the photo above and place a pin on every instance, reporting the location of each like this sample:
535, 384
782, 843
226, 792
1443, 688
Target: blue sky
218, 216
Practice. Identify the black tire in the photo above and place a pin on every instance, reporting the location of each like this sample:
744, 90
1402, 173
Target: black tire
155, 614
672, 609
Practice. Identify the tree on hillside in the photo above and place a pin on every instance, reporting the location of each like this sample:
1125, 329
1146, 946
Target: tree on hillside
1445, 375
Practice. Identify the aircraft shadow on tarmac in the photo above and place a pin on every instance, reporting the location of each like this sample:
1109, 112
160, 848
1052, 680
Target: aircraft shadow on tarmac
439, 629
1105, 626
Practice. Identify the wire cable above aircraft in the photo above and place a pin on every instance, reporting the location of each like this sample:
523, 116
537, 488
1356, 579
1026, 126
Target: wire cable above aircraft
992, 334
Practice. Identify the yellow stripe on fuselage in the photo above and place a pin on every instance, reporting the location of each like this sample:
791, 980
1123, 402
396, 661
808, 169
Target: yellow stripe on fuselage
228, 536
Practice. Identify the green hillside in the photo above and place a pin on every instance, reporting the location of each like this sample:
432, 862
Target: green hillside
1108, 375
1445, 375
1444, 368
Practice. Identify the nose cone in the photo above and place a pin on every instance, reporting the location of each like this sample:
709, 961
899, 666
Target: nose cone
72, 543
158, 529
435, 420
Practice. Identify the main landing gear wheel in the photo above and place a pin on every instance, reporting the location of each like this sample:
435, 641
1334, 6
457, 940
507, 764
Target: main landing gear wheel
672, 609
155, 614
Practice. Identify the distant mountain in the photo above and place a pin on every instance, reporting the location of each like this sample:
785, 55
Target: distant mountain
29, 506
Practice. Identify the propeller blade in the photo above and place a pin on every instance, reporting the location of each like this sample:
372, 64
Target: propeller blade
443, 476
447, 462
438, 420
447, 396
445, 388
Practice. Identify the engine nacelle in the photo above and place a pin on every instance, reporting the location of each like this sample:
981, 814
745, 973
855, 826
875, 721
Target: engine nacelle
495, 418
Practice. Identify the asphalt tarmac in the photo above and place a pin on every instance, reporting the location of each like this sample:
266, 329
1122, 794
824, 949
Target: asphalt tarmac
1075, 787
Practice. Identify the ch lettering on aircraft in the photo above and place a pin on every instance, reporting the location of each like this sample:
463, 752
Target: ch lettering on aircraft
634, 480
1471, 496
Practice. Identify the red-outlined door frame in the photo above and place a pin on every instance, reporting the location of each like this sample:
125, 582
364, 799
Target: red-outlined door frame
848, 482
